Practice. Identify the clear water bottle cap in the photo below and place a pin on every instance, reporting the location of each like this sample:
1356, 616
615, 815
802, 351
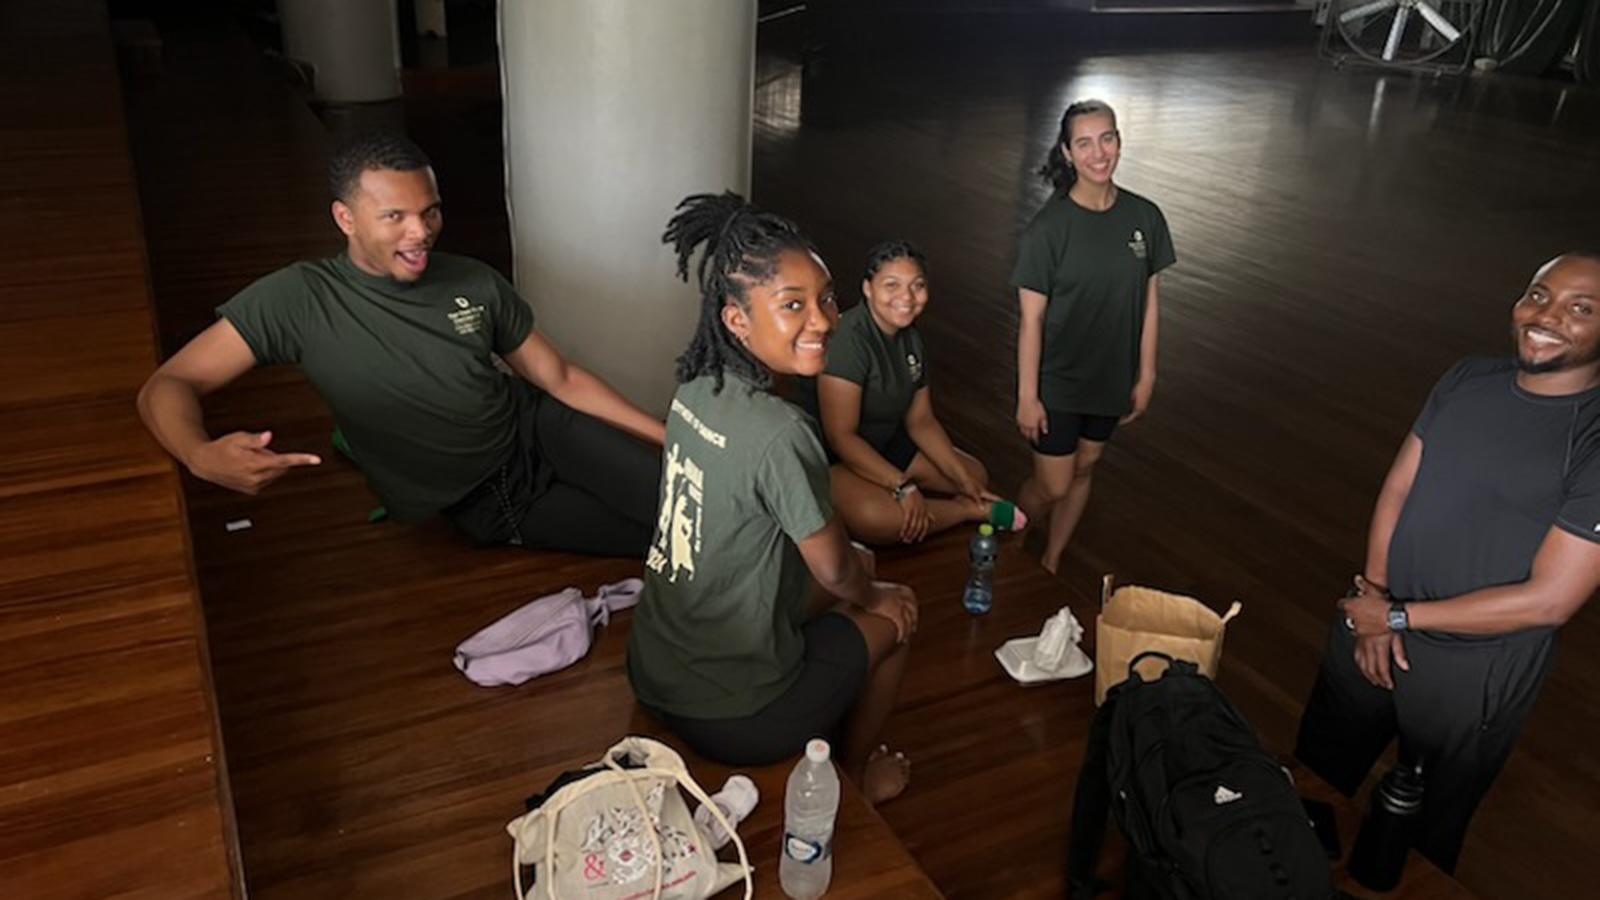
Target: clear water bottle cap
986, 529
818, 751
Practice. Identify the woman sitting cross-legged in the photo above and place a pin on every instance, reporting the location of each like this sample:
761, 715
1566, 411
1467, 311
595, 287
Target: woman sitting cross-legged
734, 646
897, 477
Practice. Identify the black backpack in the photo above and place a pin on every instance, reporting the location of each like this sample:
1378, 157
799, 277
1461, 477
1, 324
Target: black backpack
1208, 814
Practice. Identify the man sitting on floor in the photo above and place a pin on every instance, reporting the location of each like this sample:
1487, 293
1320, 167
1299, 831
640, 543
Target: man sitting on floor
400, 341
1485, 540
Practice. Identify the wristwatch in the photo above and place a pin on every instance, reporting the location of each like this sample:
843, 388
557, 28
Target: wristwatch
1399, 619
903, 488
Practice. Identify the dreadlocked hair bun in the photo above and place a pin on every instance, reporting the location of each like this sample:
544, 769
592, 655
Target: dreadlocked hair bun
739, 246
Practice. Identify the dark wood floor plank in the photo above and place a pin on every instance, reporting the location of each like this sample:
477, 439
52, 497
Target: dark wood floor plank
1343, 236
48, 445
364, 765
111, 775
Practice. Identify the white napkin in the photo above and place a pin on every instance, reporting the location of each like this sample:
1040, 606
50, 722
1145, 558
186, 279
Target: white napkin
1058, 649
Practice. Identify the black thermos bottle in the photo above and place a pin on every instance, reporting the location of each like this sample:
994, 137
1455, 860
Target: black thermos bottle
1390, 829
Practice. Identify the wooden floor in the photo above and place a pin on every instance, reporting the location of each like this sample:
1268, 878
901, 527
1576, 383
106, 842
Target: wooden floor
1343, 237
108, 730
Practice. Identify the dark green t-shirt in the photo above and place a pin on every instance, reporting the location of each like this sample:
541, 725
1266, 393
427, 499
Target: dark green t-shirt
890, 371
1093, 267
406, 368
716, 634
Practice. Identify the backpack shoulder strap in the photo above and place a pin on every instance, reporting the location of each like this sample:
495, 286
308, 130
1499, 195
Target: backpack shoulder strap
1091, 804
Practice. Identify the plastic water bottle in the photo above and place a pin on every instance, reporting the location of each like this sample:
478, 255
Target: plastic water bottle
979, 593
810, 803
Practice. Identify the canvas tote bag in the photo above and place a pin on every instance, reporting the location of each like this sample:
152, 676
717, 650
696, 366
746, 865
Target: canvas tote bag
1135, 619
624, 832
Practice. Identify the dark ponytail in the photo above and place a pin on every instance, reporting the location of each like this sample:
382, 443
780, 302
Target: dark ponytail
1056, 170
740, 248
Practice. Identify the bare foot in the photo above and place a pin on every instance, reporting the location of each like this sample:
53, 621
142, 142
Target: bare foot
980, 510
886, 775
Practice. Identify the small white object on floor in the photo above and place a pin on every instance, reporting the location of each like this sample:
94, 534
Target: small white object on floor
238, 525
736, 799
1053, 655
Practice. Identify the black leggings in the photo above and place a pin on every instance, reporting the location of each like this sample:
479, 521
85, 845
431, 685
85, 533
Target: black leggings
574, 483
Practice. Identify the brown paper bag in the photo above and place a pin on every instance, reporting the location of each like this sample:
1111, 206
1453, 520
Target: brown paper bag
1135, 619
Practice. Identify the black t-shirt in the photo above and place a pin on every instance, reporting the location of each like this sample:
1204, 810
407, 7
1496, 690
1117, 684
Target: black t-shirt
1499, 467
888, 369
1094, 268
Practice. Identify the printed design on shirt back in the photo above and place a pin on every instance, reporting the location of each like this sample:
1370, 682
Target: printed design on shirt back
1137, 245
467, 319
680, 527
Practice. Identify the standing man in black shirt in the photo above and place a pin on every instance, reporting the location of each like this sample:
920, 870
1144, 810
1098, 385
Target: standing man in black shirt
1485, 540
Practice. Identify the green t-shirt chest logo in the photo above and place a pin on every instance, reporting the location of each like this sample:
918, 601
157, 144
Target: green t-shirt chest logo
1137, 244
915, 365
467, 319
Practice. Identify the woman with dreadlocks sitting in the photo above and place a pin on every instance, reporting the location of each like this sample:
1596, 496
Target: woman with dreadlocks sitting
760, 627
876, 411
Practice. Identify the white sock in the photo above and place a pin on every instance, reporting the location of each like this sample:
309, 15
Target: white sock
736, 799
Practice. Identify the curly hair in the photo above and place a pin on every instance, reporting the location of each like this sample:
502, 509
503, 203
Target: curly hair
369, 151
739, 247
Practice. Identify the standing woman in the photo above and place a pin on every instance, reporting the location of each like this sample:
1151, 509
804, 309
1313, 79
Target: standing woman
1086, 279
877, 417
760, 627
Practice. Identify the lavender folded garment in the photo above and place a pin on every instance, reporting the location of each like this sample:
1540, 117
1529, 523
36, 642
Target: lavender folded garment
546, 635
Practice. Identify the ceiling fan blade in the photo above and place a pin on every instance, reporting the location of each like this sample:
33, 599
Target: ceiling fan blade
1397, 30
1446, 29
1361, 12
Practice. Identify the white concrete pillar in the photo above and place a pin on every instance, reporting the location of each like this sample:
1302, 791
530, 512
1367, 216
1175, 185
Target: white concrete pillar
351, 46
614, 111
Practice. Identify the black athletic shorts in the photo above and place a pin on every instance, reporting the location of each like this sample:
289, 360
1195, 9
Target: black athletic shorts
572, 483
832, 674
899, 450
1067, 427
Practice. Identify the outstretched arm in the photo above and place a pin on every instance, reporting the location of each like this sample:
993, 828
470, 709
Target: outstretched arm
538, 361
169, 404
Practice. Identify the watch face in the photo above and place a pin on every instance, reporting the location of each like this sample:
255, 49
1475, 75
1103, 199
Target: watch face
1397, 619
